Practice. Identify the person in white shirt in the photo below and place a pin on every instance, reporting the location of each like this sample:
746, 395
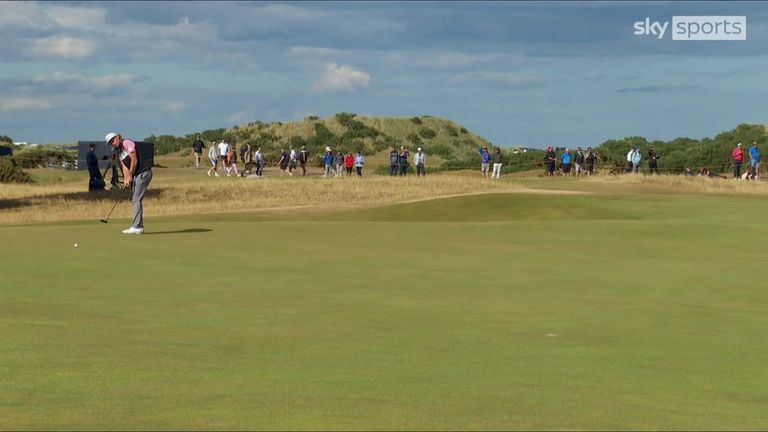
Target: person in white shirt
629, 159
419, 159
223, 152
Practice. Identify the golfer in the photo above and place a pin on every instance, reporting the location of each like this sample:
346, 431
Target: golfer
136, 175
738, 158
754, 161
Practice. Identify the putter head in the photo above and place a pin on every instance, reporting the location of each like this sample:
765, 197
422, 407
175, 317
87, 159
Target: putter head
103, 220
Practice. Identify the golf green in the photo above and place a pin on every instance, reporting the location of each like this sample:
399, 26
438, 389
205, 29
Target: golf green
499, 311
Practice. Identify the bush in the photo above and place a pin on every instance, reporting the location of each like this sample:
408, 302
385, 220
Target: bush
40, 156
414, 139
5, 139
451, 131
464, 130
416, 120
11, 172
427, 133
442, 150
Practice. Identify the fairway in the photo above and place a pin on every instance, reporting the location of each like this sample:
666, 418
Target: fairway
496, 311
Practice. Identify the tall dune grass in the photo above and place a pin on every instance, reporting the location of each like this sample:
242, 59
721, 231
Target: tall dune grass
173, 196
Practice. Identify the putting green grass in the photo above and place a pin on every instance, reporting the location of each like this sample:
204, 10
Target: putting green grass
500, 311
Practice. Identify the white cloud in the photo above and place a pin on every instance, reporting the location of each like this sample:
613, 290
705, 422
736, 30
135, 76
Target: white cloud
238, 117
343, 78
63, 46
174, 107
457, 59
507, 78
23, 15
288, 12
316, 52
22, 103
77, 17
92, 82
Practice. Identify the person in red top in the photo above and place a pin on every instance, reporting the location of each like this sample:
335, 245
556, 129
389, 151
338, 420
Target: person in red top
349, 162
738, 158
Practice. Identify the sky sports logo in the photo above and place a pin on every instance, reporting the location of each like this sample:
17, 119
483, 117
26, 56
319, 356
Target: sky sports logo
696, 28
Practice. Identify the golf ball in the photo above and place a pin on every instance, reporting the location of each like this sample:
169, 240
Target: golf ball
75, 244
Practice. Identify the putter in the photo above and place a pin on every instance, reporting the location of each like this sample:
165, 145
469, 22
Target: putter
110, 214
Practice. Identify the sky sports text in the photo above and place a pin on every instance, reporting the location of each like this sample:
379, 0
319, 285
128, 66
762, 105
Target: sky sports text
696, 28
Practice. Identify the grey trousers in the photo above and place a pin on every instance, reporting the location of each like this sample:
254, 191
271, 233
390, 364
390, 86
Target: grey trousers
139, 187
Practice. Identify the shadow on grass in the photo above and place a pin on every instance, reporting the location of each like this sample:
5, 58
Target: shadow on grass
7, 204
111, 195
184, 231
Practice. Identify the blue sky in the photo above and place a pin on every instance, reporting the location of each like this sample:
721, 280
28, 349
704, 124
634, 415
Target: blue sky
517, 73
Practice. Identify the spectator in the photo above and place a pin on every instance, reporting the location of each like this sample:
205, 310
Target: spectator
497, 161
303, 159
246, 157
359, 162
629, 159
738, 158
197, 147
349, 162
328, 161
284, 161
549, 159
223, 152
566, 160
578, 161
96, 180
259, 157
213, 155
754, 161
292, 160
232, 161
485, 161
590, 161
653, 164
394, 162
339, 163
404, 153
636, 158
420, 159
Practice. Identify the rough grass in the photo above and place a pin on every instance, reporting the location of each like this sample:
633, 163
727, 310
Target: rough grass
178, 192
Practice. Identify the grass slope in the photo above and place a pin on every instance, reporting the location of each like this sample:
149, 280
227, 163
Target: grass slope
500, 311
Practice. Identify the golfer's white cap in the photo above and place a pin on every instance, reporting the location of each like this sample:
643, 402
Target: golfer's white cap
419, 149
739, 144
327, 149
109, 137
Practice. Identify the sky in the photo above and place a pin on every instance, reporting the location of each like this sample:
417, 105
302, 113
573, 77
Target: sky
517, 73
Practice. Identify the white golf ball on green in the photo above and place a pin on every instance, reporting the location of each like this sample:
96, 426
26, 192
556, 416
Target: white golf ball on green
75, 244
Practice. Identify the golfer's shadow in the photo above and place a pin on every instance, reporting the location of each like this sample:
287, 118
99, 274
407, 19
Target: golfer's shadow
184, 231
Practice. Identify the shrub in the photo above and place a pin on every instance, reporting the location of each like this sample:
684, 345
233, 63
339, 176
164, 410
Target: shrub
427, 133
11, 172
414, 139
40, 156
416, 120
451, 131
464, 130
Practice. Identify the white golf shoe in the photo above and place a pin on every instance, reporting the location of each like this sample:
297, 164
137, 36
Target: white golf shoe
133, 230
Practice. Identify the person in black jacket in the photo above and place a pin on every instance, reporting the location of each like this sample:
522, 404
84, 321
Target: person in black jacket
549, 159
653, 164
197, 147
590, 161
96, 180
578, 161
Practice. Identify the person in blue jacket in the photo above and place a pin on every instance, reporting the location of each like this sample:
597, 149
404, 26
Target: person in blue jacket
754, 161
328, 161
485, 160
566, 159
